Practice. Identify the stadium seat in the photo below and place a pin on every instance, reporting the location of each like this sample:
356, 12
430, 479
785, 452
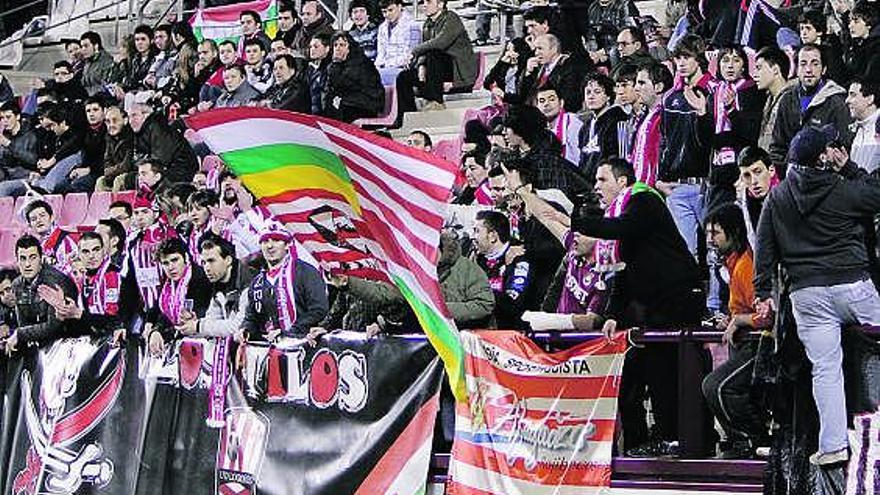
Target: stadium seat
127, 196
56, 201
8, 236
98, 206
73, 213
18, 211
389, 114
7, 210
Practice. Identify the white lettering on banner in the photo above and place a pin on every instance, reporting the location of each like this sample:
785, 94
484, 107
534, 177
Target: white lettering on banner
330, 379
511, 362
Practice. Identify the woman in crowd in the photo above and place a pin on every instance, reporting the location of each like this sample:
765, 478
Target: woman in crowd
354, 89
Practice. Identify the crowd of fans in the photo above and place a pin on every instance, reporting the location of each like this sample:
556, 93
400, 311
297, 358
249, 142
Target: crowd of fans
626, 174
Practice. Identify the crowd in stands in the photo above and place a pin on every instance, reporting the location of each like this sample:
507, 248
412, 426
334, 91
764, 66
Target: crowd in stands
626, 174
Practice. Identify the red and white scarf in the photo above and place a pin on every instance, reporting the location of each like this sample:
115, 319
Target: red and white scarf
60, 248
646, 149
146, 264
102, 294
283, 278
173, 297
482, 195
722, 111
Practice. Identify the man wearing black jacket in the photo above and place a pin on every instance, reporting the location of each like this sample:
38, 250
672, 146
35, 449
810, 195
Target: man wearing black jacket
155, 139
37, 322
18, 143
83, 178
287, 298
98, 308
289, 91
811, 225
551, 66
658, 289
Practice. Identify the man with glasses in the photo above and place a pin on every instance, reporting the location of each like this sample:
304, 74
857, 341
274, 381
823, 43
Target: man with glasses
632, 48
63, 85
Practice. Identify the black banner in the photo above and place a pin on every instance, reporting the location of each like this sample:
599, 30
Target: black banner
350, 416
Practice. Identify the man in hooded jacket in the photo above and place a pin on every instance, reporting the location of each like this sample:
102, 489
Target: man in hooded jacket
811, 225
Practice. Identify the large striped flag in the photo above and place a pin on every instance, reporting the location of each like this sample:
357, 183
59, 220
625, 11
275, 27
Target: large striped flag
535, 423
361, 204
222, 23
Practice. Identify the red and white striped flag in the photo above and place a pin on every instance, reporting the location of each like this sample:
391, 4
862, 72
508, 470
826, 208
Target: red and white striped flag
535, 423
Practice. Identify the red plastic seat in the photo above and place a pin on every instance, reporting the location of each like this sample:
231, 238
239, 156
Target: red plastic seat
7, 210
18, 219
99, 203
389, 114
8, 236
56, 201
127, 196
75, 209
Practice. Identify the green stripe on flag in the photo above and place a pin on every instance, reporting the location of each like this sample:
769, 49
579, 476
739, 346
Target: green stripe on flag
443, 336
271, 156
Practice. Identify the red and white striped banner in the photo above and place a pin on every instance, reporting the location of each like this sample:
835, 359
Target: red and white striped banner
535, 423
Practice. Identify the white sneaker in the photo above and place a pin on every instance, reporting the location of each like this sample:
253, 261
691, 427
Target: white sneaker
826, 458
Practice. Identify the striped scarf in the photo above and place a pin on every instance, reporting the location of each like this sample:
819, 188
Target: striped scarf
173, 297
95, 291
283, 278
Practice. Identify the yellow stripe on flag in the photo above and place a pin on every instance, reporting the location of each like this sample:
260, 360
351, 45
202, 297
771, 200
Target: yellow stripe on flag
295, 177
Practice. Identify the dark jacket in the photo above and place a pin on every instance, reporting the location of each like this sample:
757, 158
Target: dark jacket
498, 77
604, 141
158, 140
310, 298
446, 33
356, 82
289, 36
828, 106
96, 72
22, 149
567, 77
94, 146
686, 138
511, 284
6, 92
810, 224
862, 57
550, 170
36, 318
304, 35
317, 81
68, 144
67, 92
293, 95
660, 274
198, 290
137, 71
119, 154
543, 252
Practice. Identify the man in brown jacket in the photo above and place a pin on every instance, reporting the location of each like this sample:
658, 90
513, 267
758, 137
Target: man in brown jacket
444, 62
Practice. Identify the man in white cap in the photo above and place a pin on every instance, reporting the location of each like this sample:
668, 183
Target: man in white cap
288, 297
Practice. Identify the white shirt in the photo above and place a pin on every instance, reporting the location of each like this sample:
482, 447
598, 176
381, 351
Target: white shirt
865, 150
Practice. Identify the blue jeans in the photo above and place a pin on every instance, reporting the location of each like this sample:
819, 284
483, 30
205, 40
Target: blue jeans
686, 204
819, 313
52, 182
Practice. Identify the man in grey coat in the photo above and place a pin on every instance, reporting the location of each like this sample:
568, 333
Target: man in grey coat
98, 63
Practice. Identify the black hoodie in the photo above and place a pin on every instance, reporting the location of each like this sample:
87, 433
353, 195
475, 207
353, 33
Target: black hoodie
811, 225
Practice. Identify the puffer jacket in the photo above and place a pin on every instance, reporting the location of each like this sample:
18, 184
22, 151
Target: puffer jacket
158, 140
828, 106
355, 81
36, 318
465, 288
